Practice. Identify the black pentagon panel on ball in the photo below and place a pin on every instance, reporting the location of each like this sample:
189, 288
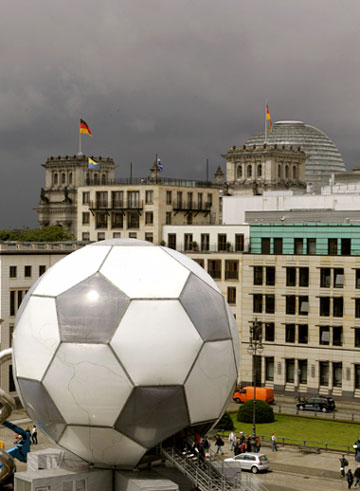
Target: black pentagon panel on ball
206, 309
41, 408
152, 414
91, 311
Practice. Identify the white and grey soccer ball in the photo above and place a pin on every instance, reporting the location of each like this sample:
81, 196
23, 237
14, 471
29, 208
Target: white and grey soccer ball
119, 346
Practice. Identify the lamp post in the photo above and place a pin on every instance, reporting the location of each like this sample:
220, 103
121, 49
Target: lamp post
255, 346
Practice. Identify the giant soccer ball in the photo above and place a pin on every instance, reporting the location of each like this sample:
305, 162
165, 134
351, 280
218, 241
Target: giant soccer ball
120, 345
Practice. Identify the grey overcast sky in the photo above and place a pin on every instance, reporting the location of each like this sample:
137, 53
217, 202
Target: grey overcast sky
184, 78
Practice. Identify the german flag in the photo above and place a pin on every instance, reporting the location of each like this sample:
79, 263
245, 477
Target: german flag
268, 117
84, 128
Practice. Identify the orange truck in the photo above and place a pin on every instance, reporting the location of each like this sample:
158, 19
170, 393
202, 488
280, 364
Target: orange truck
247, 394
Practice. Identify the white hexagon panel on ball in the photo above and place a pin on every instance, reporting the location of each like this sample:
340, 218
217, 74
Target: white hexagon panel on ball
121, 345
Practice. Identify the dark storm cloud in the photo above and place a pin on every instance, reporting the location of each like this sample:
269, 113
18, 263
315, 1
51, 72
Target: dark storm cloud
182, 78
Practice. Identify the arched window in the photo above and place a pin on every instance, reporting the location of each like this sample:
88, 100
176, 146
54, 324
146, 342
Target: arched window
294, 172
103, 178
239, 172
55, 178
96, 179
63, 178
287, 172
259, 170
87, 178
279, 171
70, 177
249, 171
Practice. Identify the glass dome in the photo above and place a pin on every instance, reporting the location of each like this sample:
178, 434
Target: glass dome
322, 156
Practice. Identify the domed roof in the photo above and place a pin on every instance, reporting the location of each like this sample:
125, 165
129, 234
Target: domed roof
322, 156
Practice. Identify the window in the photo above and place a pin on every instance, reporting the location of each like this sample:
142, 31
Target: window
85, 218
338, 306
96, 178
231, 270
338, 277
231, 294
249, 171
101, 236
357, 338
345, 247
168, 218
205, 242
269, 331
117, 198
290, 304
290, 276
265, 245
325, 277
27, 271
258, 275
70, 178
101, 199
189, 218
287, 171
290, 333
179, 199
298, 246
117, 220
132, 235
12, 271
311, 246
63, 178
259, 170
279, 171
257, 303
294, 172
55, 178
101, 220
188, 239
149, 217
214, 268
302, 370
278, 245
357, 376
116, 235
357, 278
133, 220
42, 269
239, 172
133, 199
149, 197
269, 368
270, 304
337, 336
85, 236
332, 247
239, 242
209, 200
16, 297
221, 242
190, 201
303, 276
172, 241
149, 236
200, 262
200, 201
324, 335
290, 370
303, 333
168, 197
324, 373
103, 178
324, 306
270, 275
337, 374
303, 305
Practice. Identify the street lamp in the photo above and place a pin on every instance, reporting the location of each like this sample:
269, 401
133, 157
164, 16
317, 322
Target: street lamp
255, 346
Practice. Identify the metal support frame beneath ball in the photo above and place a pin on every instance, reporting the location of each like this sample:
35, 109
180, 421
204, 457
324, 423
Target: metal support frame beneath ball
255, 346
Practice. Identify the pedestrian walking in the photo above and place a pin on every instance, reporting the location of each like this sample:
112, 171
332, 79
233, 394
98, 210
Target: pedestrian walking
248, 444
350, 478
237, 448
258, 444
357, 476
357, 446
34, 435
273, 443
219, 443
343, 463
232, 440
206, 446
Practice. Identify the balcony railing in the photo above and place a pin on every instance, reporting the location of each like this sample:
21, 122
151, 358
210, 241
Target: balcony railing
116, 205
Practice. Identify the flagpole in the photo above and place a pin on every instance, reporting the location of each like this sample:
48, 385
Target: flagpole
266, 121
80, 152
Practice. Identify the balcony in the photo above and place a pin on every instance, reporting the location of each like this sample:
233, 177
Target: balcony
125, 205
190, 207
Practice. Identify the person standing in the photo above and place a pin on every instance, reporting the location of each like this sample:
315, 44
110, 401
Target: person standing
350, 478
357, 476
343, 463
34, 435
219, 443
357, 446
273, 443
232, 440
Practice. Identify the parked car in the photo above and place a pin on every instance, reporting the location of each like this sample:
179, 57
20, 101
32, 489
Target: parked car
323, 404
247, 394
249, 461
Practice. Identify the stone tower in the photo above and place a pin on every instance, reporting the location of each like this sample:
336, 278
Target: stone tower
63, 175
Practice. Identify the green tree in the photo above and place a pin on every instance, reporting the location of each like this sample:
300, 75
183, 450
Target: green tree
263, 412
53, 233
225, 423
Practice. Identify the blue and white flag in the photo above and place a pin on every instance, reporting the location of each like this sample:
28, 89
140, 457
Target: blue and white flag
93, 164
160, 164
